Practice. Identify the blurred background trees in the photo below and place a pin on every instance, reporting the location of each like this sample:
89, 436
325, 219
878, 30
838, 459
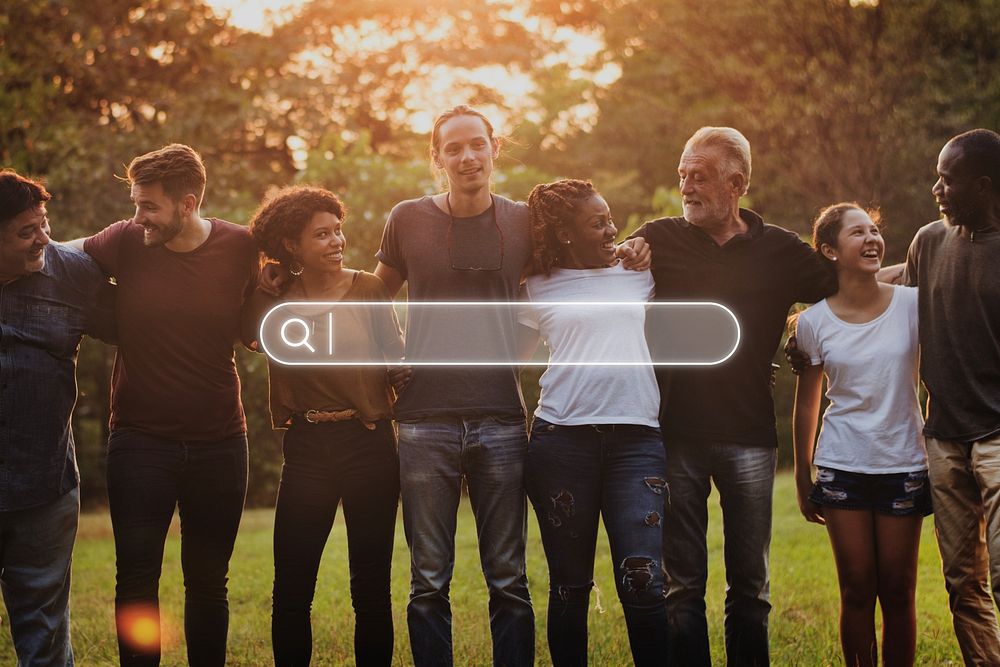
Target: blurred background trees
840, 100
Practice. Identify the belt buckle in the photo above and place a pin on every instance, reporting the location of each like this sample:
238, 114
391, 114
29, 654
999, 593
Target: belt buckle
310, 414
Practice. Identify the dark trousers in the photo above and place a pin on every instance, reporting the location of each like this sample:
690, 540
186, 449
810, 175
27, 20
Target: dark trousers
148, 476
576, 475
744, 477
325, 464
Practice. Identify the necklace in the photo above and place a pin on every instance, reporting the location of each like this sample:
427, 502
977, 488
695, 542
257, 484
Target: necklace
451, 227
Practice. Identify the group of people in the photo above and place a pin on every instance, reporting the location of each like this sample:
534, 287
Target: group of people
635, 447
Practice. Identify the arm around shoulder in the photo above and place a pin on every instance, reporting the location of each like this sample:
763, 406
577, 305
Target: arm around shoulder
254, 308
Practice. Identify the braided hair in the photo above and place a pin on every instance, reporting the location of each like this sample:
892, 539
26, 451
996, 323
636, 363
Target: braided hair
551, 206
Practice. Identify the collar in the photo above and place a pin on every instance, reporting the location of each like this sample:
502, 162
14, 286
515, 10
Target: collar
972, 234
46, 269
755, 227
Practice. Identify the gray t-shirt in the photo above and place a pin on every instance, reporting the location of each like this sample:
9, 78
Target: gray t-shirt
958, 275
438, 266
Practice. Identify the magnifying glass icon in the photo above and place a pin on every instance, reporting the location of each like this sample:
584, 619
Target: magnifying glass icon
305, 334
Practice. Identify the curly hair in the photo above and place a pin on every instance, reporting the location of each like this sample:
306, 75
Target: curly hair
551, 206
178, 168
285, 213
828, 223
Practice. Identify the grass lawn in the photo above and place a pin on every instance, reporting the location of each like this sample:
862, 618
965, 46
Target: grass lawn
803, 591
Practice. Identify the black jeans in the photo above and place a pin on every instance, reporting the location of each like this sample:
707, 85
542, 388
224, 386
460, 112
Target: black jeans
324, 464
207, 481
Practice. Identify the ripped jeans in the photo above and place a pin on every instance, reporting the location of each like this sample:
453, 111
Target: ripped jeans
574, 475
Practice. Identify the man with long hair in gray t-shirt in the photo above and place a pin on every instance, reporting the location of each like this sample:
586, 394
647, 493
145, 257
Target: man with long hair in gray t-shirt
464, 244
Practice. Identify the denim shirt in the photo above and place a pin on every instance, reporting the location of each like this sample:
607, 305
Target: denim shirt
43, 315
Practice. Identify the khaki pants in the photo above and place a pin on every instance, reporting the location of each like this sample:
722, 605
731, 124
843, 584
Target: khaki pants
965, 487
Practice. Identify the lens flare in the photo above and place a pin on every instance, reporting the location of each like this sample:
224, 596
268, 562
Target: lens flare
139, 626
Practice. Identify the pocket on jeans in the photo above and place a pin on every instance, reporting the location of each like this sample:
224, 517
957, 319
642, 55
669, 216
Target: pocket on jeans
539, 424
508, 420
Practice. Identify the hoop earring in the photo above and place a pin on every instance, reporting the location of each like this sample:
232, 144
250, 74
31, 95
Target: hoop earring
295, 267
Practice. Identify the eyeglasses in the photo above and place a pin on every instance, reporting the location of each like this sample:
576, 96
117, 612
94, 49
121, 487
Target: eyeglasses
473, 264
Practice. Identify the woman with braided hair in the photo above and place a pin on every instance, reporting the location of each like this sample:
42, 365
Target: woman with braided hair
595, 448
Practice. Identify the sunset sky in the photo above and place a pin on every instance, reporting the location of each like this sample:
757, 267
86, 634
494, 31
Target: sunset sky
440, 90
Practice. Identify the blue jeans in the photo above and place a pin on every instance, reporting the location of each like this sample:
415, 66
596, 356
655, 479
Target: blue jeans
36, 547
148, 476
489, 452
575, 475
744, 477
325, 464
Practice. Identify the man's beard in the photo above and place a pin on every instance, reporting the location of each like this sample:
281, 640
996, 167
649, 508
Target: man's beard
964, 216
165, 234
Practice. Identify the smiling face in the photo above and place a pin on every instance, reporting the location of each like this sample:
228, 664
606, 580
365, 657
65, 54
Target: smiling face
860, 246
22, 243
160, 216
958, 192
709, 192
466, 152
589, 240
320, 246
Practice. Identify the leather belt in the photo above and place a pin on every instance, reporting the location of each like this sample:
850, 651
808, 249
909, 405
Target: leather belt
323, 416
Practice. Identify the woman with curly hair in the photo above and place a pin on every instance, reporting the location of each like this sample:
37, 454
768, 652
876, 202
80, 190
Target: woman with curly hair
871, 487
594, 452
339, 444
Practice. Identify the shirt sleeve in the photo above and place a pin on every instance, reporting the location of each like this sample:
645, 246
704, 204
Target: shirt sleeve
910, 270
99, 298
527, 312
253, 277
390, 251
811, 279
101, 321
805, 336
641, 232
650, 285
104, 246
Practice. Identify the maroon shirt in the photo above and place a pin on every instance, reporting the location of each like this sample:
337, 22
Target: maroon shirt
178, 316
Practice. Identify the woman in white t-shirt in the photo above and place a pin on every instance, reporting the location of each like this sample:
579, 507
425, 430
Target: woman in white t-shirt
595, 448
871, 488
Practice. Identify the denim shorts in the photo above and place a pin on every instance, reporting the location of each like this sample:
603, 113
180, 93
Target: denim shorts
897, 494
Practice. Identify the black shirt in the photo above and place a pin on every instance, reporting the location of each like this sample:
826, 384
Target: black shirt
758, 275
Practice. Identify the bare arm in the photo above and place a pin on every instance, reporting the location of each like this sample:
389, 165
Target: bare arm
77, 243
892, 275
390, 276
808, 388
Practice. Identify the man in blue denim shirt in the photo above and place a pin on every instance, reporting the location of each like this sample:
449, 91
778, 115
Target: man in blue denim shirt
49, 295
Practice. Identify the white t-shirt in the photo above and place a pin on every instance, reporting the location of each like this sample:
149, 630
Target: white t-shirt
873, 423
614, 394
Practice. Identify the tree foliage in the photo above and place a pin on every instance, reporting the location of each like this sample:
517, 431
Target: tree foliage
841, 99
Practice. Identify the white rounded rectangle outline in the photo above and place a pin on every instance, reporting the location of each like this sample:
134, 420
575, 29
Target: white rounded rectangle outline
307, 343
